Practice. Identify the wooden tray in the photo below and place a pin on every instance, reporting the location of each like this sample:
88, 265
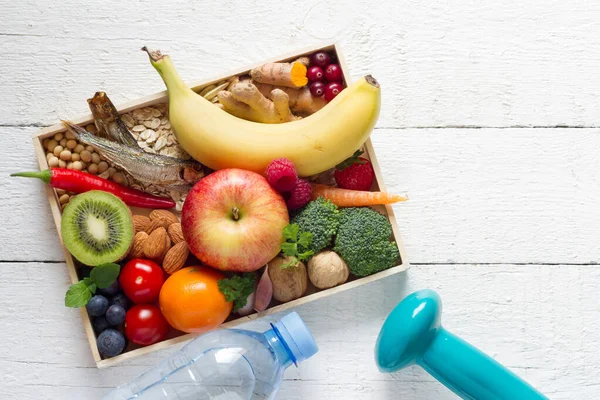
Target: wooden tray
162, 97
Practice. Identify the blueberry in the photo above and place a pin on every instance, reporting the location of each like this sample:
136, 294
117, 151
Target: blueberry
115, 315
111, 290
111, 343
121, 300
100, 324
97, 305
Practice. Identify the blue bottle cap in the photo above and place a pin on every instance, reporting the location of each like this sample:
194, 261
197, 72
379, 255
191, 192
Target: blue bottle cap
296, 336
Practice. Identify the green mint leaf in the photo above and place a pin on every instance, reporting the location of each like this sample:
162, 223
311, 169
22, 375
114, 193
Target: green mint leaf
93, 288
237, 289
78, 295
293, 261
305, 239
289, 249
105, 274
290, 232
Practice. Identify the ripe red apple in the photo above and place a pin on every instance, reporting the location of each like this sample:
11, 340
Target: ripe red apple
233, 220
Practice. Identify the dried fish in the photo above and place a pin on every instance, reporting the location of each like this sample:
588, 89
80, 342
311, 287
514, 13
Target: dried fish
108, 120
168, 172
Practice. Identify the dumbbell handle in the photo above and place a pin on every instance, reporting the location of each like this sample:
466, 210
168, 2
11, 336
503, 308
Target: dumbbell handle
470, 373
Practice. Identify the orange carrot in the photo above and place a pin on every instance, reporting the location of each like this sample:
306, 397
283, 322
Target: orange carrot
353, 198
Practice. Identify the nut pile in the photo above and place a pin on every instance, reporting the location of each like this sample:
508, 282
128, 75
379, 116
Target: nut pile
159, 238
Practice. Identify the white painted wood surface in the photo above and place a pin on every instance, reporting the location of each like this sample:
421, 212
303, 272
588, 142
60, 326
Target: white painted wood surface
502, 221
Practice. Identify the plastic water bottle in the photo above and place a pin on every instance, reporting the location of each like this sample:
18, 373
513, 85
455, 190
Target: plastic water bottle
229, 364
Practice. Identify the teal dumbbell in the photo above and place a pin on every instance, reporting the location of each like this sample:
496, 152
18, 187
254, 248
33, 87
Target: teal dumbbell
412, 334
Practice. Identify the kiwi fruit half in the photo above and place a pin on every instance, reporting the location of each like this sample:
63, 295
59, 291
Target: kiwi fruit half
97, 227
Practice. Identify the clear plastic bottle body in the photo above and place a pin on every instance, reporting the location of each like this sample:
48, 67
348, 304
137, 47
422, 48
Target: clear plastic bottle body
224, 364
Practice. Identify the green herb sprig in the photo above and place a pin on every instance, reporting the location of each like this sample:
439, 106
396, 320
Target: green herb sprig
296, 245
237, 288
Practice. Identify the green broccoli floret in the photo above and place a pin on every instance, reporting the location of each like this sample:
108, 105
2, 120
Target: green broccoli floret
321, 218
363, 241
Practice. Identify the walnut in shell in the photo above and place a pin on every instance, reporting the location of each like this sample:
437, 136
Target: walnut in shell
327, 269
288, 283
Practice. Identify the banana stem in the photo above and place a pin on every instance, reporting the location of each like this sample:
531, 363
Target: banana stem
166, 69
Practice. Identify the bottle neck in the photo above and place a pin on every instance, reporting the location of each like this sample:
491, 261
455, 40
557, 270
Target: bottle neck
282, 352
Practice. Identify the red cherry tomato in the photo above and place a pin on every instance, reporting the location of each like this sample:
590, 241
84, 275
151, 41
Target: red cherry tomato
145, 325
141, 280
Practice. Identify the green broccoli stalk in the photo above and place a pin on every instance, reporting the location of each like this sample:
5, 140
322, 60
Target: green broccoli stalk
321, 218
363, 241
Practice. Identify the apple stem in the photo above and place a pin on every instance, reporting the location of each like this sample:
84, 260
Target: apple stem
236, 213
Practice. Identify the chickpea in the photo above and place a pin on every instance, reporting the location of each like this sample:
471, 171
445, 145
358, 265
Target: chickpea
93, 169
111, 171
45, 143
53, 162
119, 178
77, 165
64, 199
60, 192
57, 150
86, 156
69, 165
49, 156
70, 135
89, 148
65, 155
58, 136
95, 158
79, 148
75, 157
71, 144
102, 166
52, 144
62, 164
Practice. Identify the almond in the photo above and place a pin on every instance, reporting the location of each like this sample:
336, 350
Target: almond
175, 233
157, 223
175, 258
140, 223
155, 246
137, 247
168, 215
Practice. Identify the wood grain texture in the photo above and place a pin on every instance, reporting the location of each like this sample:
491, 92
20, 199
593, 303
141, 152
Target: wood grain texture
490, 196
476, 195
542, 328
441, 63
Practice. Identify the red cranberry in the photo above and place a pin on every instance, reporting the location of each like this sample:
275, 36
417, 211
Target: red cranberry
314, 74
332, 89
317, 89
333, 73
320, 59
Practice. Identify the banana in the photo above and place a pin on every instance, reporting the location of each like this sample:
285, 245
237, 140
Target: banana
314, 144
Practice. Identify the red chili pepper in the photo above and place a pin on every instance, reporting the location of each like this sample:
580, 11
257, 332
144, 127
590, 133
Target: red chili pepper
79, 182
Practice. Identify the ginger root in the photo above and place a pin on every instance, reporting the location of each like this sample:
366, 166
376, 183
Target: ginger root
300, 100
244, 100
291, 74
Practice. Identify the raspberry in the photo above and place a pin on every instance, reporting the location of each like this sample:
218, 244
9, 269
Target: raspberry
281, 175
300, 195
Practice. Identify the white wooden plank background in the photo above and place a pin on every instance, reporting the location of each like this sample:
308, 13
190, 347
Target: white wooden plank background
490, 122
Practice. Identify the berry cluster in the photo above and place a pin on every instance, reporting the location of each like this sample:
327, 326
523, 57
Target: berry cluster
324, 75
282, 176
